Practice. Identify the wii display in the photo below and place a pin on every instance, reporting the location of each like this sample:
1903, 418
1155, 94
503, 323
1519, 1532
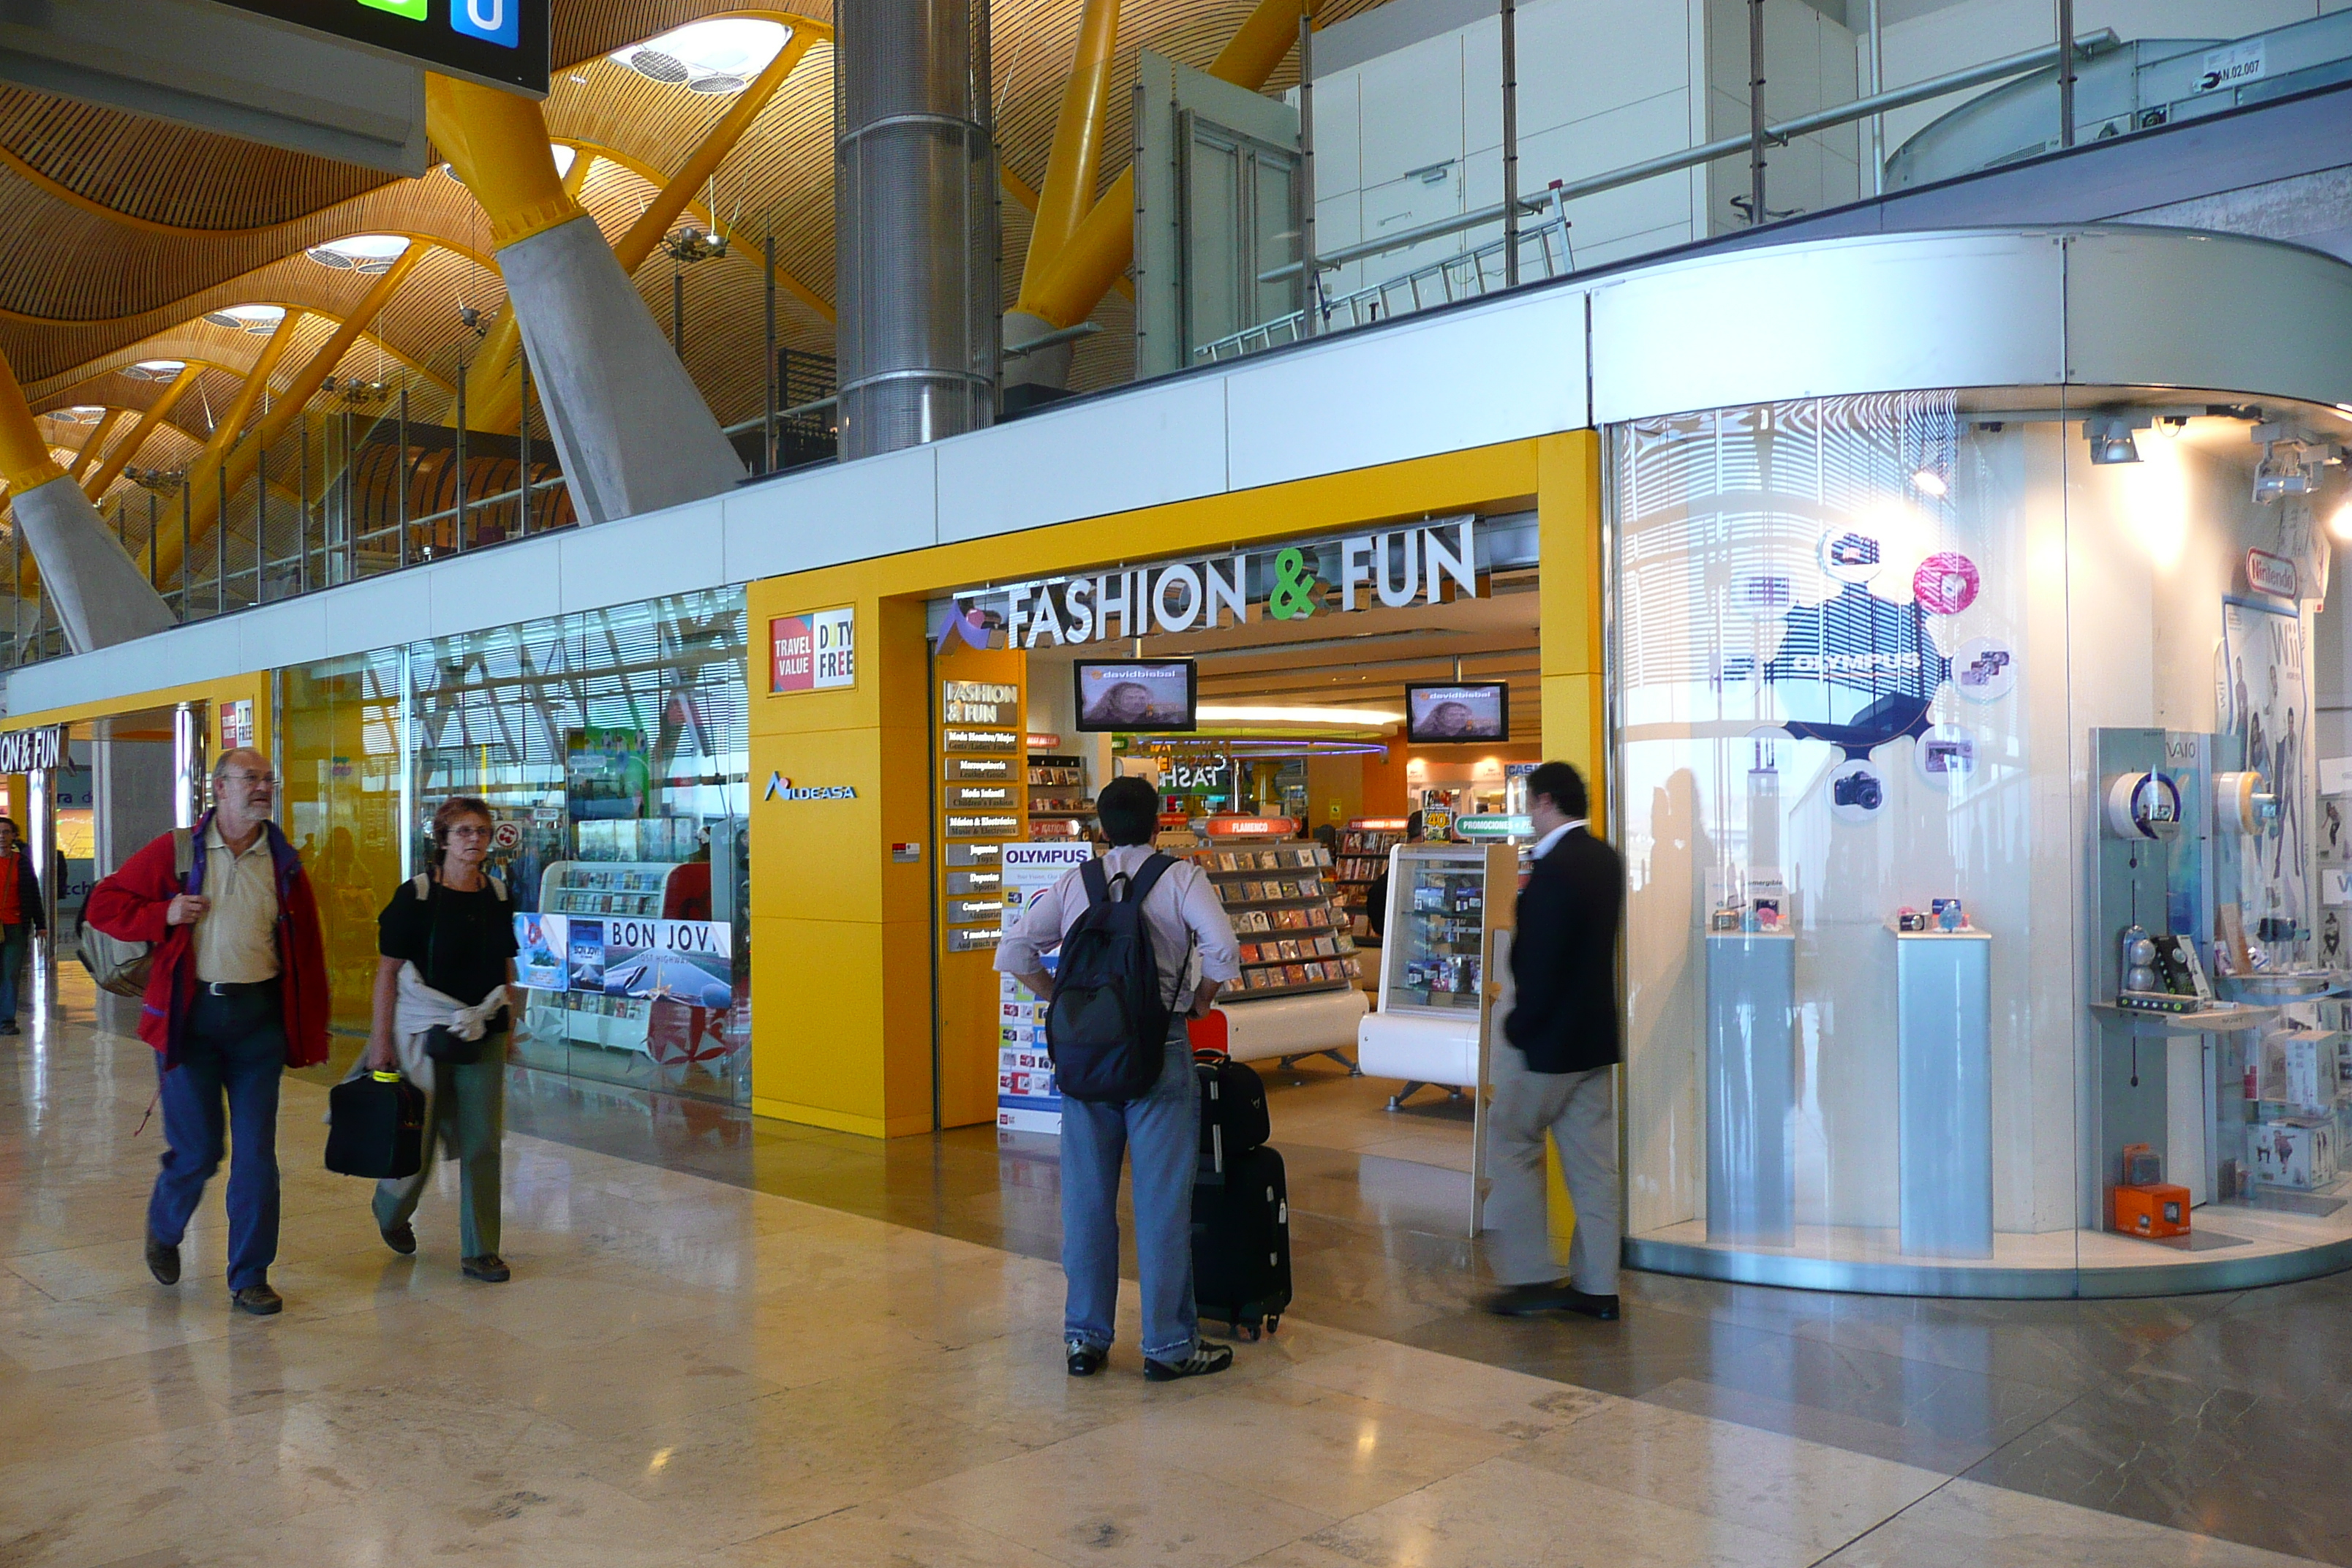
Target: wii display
1437, 715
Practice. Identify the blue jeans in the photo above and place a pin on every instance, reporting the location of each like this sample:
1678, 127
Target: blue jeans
236, 1048
1161, 1135
14, 940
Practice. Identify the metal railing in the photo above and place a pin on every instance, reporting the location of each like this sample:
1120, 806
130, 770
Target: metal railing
1464, 276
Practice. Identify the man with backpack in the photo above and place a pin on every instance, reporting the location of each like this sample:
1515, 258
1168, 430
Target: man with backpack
1129, 925
236, 994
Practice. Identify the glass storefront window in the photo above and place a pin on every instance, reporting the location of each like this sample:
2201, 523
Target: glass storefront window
612, 747
1877, 657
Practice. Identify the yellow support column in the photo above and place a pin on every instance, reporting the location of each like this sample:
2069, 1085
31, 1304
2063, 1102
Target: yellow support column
1074, 163
95, 445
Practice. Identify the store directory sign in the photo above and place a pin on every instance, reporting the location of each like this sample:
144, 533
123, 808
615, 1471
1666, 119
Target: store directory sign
501, 42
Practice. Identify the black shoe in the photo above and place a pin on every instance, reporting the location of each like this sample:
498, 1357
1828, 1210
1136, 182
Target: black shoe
7, 1025
1207, 1358
488, 1268
259, 1300
1086, 1360
1559, 1296
401, 1239
162, 1262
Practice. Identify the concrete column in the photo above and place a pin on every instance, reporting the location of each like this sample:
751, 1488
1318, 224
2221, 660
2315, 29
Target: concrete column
633, 430
102, 597
132, 794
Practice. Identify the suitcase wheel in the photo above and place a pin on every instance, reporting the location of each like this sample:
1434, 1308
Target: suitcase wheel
1273, 1323
1249, 1330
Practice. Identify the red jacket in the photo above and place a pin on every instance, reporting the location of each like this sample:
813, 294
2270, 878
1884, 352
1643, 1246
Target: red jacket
130, 905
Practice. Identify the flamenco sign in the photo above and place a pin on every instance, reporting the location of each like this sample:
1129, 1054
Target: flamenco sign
1429, 562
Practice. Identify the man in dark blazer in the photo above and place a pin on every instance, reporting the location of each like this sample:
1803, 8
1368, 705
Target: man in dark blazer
1552, 1070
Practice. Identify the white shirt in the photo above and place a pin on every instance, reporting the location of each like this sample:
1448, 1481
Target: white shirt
1545, 845
1182, 912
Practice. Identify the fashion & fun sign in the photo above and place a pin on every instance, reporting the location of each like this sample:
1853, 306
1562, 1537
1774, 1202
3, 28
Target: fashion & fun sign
1390, 567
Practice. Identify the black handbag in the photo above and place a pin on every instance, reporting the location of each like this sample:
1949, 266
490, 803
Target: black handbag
375, 1127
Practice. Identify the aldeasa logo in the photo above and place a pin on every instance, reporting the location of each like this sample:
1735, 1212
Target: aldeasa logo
782, 788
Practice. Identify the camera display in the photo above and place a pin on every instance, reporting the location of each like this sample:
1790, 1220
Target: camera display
1861, 791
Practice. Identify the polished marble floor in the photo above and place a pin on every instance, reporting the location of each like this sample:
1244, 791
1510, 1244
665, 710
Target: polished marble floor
733, 1343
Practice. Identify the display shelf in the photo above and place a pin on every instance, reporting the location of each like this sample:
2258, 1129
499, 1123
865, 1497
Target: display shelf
1363, 856
1059, 803
2220, 1018
621, 889
1285, 916
1436, 932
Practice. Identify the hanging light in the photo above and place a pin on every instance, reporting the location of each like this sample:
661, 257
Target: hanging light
2110, 435
1929, 482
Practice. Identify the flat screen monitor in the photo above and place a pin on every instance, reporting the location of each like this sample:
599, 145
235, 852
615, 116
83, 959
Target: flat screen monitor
1445, 715
1136, 697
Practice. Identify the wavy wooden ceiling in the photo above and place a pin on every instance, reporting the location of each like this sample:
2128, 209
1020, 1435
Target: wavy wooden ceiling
126, 231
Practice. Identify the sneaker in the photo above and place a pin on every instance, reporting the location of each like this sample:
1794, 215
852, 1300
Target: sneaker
488, 1268
162, 1261
1086, 1360
401, 1239
1207, 1358
259, 1300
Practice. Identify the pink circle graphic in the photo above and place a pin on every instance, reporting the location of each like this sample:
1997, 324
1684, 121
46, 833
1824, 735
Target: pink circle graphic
1945, 583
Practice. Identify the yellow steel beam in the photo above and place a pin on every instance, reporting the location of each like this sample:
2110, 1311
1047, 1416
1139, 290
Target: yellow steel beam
1074, 163
128, 448
498, 145
1104, 243
95, 444
494, 377
24, 459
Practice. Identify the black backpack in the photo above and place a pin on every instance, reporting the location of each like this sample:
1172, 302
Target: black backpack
1107, 1026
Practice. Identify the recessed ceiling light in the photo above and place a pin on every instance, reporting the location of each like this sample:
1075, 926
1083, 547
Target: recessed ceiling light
1247, 713
259, 320
368, 253
719, 55
155, 369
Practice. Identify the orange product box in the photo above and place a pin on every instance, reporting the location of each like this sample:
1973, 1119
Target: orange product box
2158, 1209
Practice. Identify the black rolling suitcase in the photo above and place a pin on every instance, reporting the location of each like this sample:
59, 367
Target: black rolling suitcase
1233, 1112
1240, 1244
375, 1127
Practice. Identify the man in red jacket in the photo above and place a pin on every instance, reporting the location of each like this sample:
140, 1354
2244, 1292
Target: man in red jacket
237, 994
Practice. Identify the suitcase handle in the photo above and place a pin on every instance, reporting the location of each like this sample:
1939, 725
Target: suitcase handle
381, 1076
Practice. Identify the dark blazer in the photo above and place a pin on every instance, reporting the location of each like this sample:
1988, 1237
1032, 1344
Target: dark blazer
1564, 957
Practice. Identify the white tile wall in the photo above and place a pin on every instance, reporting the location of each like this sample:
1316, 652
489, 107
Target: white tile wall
1158, 443
878, 507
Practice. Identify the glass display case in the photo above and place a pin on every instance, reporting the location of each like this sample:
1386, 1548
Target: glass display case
1435, 956
2003, 706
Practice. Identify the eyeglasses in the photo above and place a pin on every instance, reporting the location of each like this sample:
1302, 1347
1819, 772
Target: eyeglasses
245, 778
469, 833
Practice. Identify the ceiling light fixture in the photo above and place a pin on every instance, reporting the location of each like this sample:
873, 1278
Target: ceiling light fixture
79, 414
1251, 713
721, 54
1929, 482
365, 253
155, 369
2110, 435
258, 320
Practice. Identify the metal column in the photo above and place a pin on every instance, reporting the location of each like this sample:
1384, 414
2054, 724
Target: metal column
915, 223
187, 764
1510, 144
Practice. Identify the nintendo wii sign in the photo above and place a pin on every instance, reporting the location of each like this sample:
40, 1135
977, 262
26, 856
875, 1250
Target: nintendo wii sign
813, 652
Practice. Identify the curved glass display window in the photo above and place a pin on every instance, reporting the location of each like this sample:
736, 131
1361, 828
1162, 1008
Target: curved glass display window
1973, 760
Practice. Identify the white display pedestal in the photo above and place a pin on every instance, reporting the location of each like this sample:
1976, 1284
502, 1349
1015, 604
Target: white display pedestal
1751, 1087
1944, 1092
1282, 1027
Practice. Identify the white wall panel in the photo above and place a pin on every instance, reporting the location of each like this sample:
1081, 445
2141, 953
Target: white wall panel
1465, 379
393, 608
1155, 443
2164, 308
492, 590
672, 552
844, 511
293, 631
1872, 315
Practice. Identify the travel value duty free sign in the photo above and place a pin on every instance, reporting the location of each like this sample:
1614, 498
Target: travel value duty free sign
502, 43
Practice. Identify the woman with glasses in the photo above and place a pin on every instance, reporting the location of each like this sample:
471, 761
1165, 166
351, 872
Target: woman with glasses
447, 946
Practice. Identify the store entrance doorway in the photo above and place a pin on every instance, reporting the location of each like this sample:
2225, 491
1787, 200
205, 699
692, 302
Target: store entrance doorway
1296, 757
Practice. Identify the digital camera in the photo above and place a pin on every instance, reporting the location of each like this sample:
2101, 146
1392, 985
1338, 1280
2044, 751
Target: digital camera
1860, 790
